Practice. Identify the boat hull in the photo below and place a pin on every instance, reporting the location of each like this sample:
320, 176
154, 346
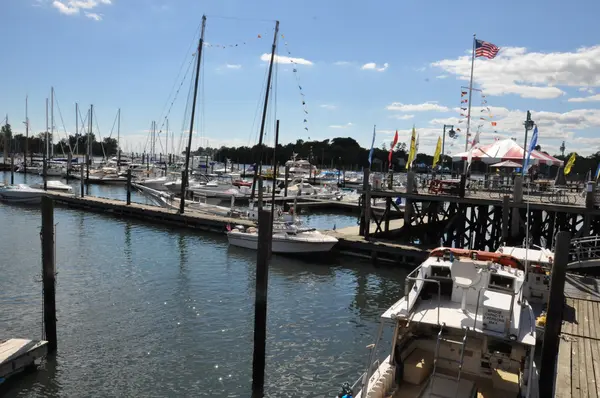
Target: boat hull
250, 241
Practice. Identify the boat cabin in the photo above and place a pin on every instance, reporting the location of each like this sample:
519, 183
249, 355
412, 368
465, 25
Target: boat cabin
462, 329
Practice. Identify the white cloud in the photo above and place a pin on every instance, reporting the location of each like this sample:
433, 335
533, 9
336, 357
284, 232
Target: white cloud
403, 117
586, 90
93, 15
342, 63
233, 66
373, 66
341, 126
427, 106
73, 7
441, 77
282, 59
529, 74
65, 9
591, 98
328, 106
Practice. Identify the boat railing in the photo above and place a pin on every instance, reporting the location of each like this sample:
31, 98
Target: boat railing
407, 288
359, 383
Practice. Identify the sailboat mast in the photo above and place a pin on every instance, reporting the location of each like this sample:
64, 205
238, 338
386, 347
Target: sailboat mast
167, 141
184, 177
46, 135
264, 115
26, 133
52, 121
76, 127
119, 141
90, 130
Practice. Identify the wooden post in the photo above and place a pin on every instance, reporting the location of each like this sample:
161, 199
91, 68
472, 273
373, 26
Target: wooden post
265, 234
12, 169
554, 314
49, 272
87, 174
367, 204
361, 228
260, 192
505, 217
388, 201
45, 168
590, 194
410, 189
129, 186
515, 226
69, 162
82, 180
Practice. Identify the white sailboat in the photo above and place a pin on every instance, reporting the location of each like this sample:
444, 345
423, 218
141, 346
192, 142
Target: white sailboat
462, 329
287, 238
21, 193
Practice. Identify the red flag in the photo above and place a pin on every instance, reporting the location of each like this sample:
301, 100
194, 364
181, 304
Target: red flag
392, 149
228, 227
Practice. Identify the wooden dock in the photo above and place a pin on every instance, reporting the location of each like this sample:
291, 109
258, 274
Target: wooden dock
190, 219
578, 364
376, 249
18, 354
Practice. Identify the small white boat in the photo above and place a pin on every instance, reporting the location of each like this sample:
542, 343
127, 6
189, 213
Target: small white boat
287, 238
156, 183
54, 186
21, 193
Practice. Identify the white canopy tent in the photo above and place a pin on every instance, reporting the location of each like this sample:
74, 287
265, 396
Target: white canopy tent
506, 150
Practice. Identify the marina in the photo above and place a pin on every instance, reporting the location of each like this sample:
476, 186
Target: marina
287, 210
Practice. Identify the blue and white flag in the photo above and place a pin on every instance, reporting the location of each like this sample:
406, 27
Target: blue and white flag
597, 172
532, 145
371, 151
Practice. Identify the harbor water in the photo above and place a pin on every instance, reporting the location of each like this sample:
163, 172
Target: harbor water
150, 311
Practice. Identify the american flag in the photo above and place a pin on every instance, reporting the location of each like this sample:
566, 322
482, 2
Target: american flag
485, 49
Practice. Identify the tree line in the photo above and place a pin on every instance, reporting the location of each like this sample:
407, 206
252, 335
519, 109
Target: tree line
36, 143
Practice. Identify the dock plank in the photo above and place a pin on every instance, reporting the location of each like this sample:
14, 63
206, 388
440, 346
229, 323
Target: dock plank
16, 354
563, 370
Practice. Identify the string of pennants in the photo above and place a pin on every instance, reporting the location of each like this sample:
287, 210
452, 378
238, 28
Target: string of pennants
301, 91
233, 45
484, 117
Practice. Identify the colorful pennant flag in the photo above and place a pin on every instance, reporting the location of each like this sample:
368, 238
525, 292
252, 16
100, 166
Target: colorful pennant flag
532, 145
438, 151
391, 148
372, 143
413, 148
570, 163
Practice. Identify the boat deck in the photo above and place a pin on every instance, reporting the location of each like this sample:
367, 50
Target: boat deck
578, 367
17, 354
485, 388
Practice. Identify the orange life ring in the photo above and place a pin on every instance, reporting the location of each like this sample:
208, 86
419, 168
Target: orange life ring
499, 258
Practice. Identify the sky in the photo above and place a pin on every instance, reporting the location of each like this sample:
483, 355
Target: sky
355, 64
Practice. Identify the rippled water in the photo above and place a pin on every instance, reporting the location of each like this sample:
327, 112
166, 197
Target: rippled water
149, 311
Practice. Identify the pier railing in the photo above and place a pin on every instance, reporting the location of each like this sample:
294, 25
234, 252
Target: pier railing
584, 249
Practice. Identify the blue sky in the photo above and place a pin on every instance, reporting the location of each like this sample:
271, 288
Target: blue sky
393, 64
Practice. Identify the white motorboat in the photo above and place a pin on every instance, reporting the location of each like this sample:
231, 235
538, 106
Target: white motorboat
54, 186
21, 193
156, 183
462, 329
287, 238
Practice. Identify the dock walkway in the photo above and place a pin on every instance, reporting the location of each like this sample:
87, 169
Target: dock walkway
18, 354
578, 365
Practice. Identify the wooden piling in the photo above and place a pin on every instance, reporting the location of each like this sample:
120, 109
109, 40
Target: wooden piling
590, 195
49, 273
410, 188
81, 180
129, 186
12, 169
45, 169
554, 314
505, 217
265, 234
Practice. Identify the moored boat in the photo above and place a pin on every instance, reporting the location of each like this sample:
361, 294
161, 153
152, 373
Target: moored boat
462, 329
21, 193
287, 238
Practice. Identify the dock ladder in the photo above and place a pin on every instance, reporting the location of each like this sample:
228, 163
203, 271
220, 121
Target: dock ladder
460, 361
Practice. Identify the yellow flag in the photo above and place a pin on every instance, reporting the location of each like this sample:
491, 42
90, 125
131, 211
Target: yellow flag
438, 152
413, 149
570, 163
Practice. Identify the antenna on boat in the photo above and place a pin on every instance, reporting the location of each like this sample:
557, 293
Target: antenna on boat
184, 177
258, 169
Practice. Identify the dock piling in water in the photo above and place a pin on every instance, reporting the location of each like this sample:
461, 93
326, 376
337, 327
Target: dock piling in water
128, 186
49, 272
265, 231
554, 314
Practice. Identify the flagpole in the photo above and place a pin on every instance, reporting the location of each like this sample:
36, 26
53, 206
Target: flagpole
470, 94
